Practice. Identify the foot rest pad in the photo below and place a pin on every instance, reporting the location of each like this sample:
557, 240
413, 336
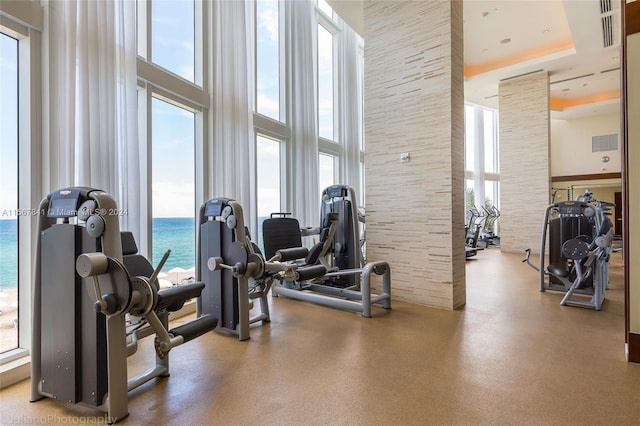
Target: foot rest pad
558, 270
195, 328
172, 299
310, 272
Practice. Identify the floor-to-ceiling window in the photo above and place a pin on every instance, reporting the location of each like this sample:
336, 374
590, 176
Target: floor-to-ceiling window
270, 112
20, 180
172, 121
328, 108
269, 183
269, 65
9, 212
173, 187
482, 174
326, 170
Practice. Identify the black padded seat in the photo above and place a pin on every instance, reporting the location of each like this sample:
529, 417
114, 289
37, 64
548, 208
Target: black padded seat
136, 264
170, 299
558, 270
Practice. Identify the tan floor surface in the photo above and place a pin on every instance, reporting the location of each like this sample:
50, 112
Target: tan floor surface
512, 355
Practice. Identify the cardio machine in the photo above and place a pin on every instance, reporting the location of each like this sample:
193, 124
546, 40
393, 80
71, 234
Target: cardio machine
82, 296
580, 235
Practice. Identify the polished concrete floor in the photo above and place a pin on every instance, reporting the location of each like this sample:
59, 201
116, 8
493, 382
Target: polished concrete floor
512, 355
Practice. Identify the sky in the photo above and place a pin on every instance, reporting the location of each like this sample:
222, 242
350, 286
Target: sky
8, 126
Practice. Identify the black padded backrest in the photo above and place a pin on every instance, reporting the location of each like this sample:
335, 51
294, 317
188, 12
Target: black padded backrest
280, 233
129, 245
136, 264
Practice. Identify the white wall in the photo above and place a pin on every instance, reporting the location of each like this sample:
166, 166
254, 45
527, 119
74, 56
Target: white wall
571, 145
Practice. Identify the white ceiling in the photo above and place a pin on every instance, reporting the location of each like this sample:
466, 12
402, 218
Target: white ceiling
562, 37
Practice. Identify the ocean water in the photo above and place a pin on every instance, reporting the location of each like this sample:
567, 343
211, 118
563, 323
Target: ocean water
8, 254
177, 234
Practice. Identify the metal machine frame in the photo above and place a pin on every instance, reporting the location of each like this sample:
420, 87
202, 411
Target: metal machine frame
222, 235
82, 294
588, 272
356, 296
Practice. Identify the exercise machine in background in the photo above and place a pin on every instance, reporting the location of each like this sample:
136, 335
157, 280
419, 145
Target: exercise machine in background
347, 281
580, 234
236, 273
82, 296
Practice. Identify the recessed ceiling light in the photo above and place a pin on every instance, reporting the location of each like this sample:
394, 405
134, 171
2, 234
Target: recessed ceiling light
505, 40
546, 31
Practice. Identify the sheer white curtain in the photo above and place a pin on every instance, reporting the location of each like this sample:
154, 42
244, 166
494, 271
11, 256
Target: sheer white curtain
234, 145
90, 113
304, 115
351, 106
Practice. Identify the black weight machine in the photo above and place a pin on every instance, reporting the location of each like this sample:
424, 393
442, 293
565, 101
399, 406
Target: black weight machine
346, 283
235, 270
580, 235
83, 296
237, 274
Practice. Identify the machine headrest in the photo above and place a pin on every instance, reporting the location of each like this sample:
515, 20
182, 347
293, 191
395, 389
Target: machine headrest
128, 243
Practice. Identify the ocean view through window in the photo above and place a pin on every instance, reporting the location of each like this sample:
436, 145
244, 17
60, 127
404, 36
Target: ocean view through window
173, 189
8, 193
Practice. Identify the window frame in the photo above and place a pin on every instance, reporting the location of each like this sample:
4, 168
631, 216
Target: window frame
25, 23
155, 81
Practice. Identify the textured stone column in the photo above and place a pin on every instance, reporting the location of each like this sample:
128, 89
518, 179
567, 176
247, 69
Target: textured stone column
414, 104
524, 161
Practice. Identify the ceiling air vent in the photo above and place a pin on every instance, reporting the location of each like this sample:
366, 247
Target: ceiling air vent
607, 31
604, 143
607, 22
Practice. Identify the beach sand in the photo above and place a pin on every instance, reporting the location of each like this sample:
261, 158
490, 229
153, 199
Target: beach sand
8, 320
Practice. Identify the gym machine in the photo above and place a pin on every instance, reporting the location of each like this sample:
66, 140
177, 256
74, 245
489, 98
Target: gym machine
234, 269
82, 296
580, 236
346, 283
223, 240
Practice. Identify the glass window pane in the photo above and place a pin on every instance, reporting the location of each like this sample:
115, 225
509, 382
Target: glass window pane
325, 83
173, 35
326, 171
268, 176
469, 139
490, 163
8, 193
492, 203
469, 195
267, 59
492, 194
173, 189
